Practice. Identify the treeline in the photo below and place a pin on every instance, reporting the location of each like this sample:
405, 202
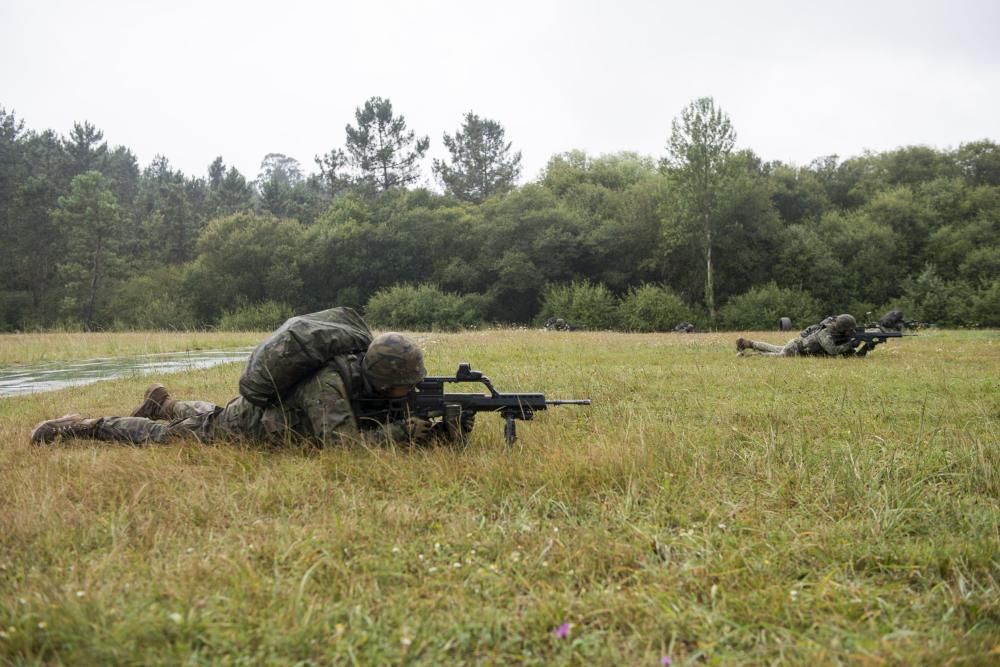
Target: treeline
703, 233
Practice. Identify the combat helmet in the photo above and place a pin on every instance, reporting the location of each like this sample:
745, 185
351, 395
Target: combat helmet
393, 359
843, 323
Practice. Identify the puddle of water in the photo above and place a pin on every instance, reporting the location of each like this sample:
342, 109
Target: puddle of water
52, 375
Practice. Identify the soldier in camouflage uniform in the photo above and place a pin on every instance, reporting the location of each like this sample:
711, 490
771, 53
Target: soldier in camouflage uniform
829, 338
300, 383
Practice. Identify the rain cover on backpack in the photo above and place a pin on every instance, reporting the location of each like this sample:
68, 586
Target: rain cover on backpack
300, 346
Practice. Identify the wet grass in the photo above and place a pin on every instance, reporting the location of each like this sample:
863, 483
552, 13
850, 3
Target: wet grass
709, 508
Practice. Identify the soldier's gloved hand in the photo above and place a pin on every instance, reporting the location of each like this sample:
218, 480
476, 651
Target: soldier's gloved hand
468, 421
457, 432
418, 430
412, 429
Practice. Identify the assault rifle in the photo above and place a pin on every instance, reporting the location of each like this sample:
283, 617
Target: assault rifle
429, 400
865, 340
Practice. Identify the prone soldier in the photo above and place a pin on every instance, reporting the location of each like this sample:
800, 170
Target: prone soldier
832, 337
302, 382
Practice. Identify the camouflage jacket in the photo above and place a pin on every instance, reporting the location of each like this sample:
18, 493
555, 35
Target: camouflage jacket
320, 406
825, 342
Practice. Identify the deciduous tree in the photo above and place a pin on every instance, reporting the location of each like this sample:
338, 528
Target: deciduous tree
698, 152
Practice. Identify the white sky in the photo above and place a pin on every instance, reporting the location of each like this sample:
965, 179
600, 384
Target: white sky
193, 80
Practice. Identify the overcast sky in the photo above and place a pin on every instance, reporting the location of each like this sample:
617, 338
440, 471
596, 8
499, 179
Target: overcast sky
193, 80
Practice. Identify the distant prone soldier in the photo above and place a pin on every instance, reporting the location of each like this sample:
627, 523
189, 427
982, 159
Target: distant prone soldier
832, 337
558, 324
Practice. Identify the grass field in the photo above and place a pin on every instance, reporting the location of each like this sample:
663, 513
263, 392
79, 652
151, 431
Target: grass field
706, 509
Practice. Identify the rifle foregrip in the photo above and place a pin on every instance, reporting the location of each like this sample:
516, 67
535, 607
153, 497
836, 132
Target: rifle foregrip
509, 429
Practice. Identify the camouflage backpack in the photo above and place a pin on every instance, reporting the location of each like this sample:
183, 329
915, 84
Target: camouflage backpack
300, 346
813, 328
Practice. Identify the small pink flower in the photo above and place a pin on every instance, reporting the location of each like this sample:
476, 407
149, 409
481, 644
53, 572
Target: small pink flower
666, 661
562, 631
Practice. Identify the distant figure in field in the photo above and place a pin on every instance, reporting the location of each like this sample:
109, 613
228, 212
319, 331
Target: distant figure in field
892, 321
558, 324
831, 337
301, 382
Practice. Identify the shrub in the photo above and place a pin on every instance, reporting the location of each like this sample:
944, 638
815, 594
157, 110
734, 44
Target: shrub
762, 307
930, 298
984, 311
152, 301
14, 307
581, 304
653, 308
262, 316
424, 308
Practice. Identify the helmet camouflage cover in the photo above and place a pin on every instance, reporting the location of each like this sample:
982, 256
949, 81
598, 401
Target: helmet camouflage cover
844, 323
393, 359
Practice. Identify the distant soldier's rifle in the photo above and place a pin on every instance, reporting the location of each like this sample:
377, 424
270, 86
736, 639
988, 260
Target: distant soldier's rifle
429, 400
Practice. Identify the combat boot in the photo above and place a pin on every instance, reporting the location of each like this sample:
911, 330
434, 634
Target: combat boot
67, 426
156, 404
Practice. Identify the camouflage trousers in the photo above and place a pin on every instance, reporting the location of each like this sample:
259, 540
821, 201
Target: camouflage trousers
792, 348
201, 420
